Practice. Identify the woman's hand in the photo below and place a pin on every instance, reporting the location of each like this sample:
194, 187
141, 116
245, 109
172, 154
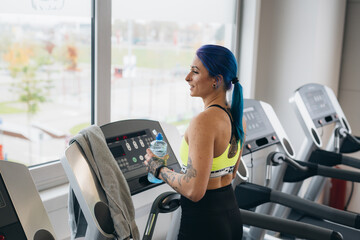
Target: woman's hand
153, 162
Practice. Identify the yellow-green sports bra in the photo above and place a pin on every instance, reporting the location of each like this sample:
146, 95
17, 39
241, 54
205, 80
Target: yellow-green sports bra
222, 165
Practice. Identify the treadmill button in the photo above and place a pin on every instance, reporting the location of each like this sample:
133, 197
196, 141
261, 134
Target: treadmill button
128, 146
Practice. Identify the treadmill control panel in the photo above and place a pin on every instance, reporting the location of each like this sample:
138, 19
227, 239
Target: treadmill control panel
259, 132
129, 149
318, 104
128, 141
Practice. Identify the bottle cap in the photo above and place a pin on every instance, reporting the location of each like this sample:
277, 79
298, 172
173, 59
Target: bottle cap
159, 137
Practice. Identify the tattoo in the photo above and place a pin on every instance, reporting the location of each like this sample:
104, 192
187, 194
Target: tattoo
169, 179
154, 163
233, 147
190, 171
179, 181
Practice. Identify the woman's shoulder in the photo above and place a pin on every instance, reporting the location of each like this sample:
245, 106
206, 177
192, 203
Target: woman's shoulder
207, 119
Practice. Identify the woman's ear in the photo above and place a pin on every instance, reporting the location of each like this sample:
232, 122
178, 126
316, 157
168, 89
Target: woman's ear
219, 80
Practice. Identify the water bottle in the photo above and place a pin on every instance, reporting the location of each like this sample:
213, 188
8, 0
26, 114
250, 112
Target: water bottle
159, 148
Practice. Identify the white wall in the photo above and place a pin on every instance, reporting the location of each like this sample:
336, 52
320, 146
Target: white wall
349, 87
300, 42
309, 41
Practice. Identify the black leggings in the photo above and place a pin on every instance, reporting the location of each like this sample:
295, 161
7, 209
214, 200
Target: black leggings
215, 216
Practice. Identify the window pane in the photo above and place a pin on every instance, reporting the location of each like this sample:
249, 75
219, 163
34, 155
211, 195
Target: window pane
153, 49
45, 77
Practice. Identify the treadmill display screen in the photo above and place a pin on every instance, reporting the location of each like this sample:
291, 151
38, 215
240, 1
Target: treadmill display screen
318, 103
259, 130
257, 123
129, 149
254, 122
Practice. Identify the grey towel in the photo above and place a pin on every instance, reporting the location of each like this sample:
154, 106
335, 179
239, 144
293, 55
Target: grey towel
111, 179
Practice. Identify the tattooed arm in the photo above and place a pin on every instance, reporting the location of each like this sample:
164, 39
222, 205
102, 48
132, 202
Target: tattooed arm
194, 182
178, 181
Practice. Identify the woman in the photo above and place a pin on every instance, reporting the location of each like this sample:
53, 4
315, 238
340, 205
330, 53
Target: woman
210, 150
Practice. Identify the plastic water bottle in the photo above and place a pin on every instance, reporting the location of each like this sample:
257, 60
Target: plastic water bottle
159, 148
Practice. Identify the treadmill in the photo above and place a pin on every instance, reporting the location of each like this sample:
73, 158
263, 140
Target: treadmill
127, 141
22, 213
268, 154
316, 107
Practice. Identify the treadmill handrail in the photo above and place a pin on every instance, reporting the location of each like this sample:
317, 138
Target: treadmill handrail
314, 169
337, 173
260, 195
316, 210
277, 157
350, 144
350, 161
295, 228
329, 158
341, 132
164, 203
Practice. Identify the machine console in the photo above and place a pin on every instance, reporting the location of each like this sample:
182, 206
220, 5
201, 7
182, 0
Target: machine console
318, 104
128, 141
259, 131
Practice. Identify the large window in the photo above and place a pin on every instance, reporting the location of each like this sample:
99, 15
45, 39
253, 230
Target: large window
45, 66
153, 45
45, 77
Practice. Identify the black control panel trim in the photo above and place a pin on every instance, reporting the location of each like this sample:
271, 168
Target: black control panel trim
10, 226
326, 120
260, 143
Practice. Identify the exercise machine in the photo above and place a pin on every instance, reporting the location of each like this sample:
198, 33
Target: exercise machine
22, 213
127, 140
269, 154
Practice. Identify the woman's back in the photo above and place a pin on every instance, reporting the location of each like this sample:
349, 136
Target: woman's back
216, 122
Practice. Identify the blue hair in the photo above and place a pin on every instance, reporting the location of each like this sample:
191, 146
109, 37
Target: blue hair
219, 60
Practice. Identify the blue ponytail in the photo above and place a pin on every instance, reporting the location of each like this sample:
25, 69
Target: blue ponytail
237, 110
219, 60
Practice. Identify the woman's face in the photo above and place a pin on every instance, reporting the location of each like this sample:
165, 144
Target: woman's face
201, 84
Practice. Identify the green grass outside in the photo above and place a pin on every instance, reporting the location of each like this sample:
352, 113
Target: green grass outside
182, 122
154, 58
145, 57
76, 129
6, 108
